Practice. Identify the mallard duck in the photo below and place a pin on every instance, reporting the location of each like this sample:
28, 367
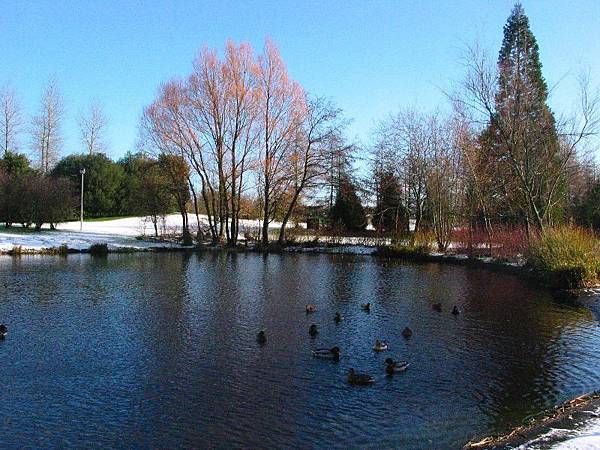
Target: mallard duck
407, 333
455, 311
380, 346
313, 330
359, 378
392, 366
437, 307
310, 308
3, 331
366, 306
261, 338
327, 353
338, 317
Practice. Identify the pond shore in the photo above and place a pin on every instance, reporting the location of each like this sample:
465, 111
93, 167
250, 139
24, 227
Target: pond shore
133, 234
573, 424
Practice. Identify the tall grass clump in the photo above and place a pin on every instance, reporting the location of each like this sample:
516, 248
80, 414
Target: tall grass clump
418, 245
566, 257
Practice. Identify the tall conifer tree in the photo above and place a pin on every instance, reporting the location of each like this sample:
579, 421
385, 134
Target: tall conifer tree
522, 135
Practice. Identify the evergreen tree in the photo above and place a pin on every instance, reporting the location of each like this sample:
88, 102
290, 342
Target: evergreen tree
347, 210
14, 163
103, 186
390, 213
524, 145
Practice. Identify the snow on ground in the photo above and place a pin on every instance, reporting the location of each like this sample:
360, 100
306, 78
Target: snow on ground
117, 233
585, 436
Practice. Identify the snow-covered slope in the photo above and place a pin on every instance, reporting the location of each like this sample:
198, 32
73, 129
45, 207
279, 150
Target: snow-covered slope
118, 234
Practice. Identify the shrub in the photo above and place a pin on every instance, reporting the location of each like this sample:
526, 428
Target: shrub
423, 239
99, 249
566, 257
508, 242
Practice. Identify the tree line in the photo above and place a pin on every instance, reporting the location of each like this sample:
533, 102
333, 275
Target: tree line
134, 185
501, 157
239, 138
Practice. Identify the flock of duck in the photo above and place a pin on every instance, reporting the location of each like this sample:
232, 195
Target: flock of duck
333, 353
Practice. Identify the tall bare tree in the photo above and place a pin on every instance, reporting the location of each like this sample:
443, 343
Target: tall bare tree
404, 139
210, 119
445, 192
46, 137
282, 108
11, 120
92, 125
310, 153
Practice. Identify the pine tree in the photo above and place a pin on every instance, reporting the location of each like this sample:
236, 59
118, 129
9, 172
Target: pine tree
390, 213
522, 134
347, 210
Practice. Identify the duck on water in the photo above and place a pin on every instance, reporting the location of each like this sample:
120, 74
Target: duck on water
327, 353
392, 366
380, 346
359, 378
261, 337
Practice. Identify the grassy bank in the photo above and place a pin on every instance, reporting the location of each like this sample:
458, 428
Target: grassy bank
565, 257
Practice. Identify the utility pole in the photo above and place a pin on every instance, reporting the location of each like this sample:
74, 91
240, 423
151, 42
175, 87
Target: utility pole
82, 172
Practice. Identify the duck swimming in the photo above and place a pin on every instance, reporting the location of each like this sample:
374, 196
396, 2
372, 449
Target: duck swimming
455, 311
327, 353
359, 378
338, 317
3, 331
437, 307
310, 308
366, 306
380, 346
392, 366
261, 338
313, 330
407, 333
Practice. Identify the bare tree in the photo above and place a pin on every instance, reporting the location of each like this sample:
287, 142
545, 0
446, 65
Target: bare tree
46, 138
310, 153
282, 110
444, 179
11, 120
211, 119
92, 125
404, 140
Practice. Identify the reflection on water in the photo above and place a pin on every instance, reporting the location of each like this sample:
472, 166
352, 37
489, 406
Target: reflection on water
159, 350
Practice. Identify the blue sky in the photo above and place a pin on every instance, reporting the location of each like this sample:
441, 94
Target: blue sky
370, 57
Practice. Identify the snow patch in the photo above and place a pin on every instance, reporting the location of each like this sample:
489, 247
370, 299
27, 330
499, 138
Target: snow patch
118, 234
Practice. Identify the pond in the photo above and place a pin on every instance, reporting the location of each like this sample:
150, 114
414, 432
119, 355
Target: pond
160, 351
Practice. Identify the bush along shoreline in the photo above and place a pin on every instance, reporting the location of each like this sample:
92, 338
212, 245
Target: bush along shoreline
562, 258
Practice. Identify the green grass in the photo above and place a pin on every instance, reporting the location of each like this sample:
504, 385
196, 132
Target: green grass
566, 257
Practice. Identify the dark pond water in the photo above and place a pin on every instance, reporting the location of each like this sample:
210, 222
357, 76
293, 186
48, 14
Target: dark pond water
159, 351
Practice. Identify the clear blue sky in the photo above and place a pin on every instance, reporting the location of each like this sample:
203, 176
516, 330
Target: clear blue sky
370, 57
